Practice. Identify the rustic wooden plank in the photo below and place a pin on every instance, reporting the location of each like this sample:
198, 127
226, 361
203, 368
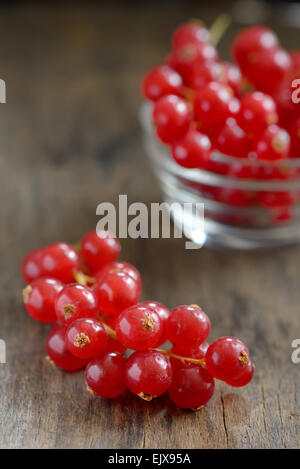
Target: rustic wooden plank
69, 139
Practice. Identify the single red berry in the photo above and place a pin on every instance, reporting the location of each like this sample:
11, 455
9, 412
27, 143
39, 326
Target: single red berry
39, 298
295, 139
273, 144
268, 69
58, 352
99, 248
213, 105
190, 32
188, 327
116, 292
161, 81
277, 199
120, 267
232, 140
226, 358
257, 112
148, 374
251, 41
172, 118
31, 265
106, 375
191, 388
75, 302
193, 150
196, 353
233, 77
184, 58
86, 338
203, 73
244, 378
139, 328
60, 261
163, 312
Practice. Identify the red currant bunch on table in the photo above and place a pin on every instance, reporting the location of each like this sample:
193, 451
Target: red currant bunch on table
91, 299
204, 108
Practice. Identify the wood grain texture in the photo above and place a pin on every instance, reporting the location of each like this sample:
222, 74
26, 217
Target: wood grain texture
69, 139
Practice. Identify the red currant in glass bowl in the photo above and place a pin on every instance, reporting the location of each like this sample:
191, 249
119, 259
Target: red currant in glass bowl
228, 112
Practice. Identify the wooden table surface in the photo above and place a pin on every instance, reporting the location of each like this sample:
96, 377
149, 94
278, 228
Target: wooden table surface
69, 139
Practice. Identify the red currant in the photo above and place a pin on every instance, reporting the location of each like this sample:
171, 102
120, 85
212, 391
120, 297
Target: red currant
120, 267
106, 375
191, 388
58, 352
190, 32
251, 41
163, 312
188, 327
184, 58
257, 112
31, 265
233, 77
172, 118
295, 139
99, 248
139, 328
226, 358
203, 73
116, 292
197, 353
273, 144
74, 302
148, 374
161, 81
60, 261
244, 378
86, 338
295, 58
232, 139
213, 104
193, 150
39, 298
114, 346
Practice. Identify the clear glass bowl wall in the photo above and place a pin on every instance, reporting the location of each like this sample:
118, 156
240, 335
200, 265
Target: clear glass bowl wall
235, 213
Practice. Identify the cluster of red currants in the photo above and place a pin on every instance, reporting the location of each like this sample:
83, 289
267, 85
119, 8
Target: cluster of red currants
202, 105
91, 299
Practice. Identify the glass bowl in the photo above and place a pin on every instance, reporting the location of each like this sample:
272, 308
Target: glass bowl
238, 213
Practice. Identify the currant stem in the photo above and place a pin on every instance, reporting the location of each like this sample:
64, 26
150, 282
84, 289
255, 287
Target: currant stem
219, 27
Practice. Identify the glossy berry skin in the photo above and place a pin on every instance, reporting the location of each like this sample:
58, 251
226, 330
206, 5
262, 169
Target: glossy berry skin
116, 292
188, 327
213, 105
226, 358
60, 261
120, 267
250, 42
274, 144
74, 302
161, 81
191, 388
148, 374
257, 112
86, 338
163, 312
295, 139
245, 377
233, 77
31, 265
58, 352
232, 140
106, 375
139, 328
190, 32
99, 249
204, 73
184, 58
197, 353
172, 118
193, 150
39, 298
